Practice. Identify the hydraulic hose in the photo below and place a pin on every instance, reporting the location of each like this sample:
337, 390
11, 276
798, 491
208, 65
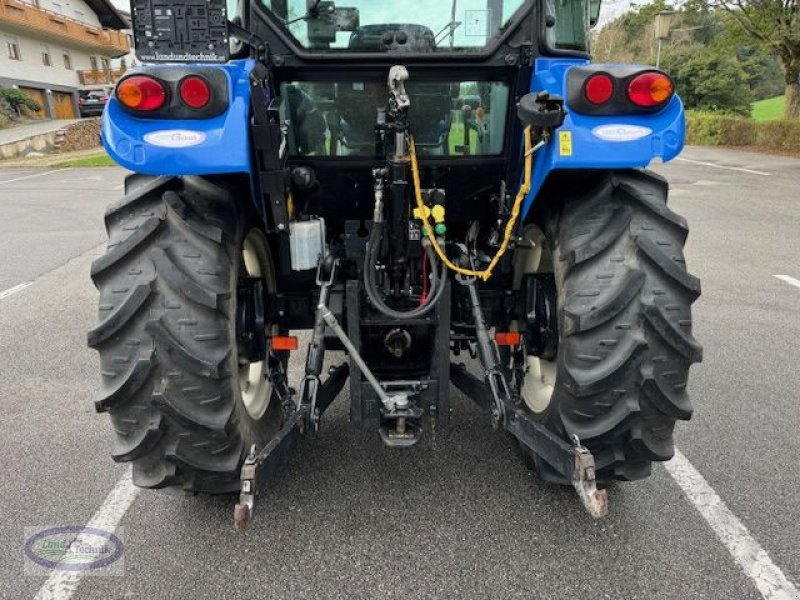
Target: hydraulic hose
370, 262
512, 221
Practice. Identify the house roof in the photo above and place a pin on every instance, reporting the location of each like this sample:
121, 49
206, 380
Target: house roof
109, 16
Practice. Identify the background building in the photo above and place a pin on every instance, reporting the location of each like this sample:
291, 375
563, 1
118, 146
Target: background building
129, 60
50, 48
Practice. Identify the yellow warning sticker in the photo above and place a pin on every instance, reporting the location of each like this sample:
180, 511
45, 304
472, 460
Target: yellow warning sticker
565, 143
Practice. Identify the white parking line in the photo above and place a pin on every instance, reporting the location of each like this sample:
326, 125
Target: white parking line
789, 280
15, 289
716, 166
61, 585
746, 551
34, 175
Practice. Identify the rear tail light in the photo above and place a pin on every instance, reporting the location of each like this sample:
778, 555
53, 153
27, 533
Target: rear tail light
508, 338
194, 92
142, 93
650, 89
609, 90
599, 89
284, 342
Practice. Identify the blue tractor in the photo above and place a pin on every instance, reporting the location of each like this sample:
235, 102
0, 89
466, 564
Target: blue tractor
437, 193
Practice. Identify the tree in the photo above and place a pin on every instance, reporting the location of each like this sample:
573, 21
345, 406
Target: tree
712, 62
630, 37
764, 74
709, 79
18, 99
776, 25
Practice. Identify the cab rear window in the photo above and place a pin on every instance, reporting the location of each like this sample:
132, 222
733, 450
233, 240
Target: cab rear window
397, 26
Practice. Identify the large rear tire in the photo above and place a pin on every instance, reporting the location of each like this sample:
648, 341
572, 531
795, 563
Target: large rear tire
625, 346
184, 410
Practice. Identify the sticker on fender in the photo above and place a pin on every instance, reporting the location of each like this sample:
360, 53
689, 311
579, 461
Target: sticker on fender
565, 143
175, 138
621, 133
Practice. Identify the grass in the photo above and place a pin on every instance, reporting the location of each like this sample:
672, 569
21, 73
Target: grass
101, 159
457, 138
770, 109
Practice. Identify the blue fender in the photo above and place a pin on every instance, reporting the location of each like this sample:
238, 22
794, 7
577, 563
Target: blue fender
217, 145
601, 142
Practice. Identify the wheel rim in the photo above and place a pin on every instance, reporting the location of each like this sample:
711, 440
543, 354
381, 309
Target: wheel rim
539, 378
254, 385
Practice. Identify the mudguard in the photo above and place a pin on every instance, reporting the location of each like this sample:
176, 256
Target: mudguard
601, 142
221, 144
216, 145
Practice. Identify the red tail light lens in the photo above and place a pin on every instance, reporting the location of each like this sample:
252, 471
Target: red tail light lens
142, 93
650, 89
599, 89
195, 92
508, 338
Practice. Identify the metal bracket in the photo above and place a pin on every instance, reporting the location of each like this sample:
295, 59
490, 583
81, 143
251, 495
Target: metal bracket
302, 415
260, 468
583, 480
398, 75
489, 357
572, 461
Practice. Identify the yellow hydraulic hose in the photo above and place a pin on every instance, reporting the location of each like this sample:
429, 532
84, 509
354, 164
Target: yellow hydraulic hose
512, 221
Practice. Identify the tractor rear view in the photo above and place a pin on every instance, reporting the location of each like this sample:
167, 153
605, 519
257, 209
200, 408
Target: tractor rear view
411, 183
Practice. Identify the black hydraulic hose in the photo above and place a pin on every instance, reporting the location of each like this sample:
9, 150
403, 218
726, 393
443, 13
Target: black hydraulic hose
370, 263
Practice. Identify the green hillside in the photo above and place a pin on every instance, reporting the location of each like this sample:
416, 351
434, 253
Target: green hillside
769, 109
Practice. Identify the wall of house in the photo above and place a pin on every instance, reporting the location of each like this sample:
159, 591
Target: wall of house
129, 60
31, 66
74, 9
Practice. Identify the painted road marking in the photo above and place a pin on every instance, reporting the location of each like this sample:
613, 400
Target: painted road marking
82, 179
34, 175
715, 165
16, 172
746, 551
61, 585
789, 280
15, 289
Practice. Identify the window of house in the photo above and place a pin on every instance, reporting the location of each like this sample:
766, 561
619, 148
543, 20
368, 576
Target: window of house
79, 15
46, 61
67, 60
56, 8
93, 62
12, 46
106, 64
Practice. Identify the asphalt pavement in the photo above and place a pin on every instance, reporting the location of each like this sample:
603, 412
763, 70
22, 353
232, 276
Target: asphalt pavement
458, 517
